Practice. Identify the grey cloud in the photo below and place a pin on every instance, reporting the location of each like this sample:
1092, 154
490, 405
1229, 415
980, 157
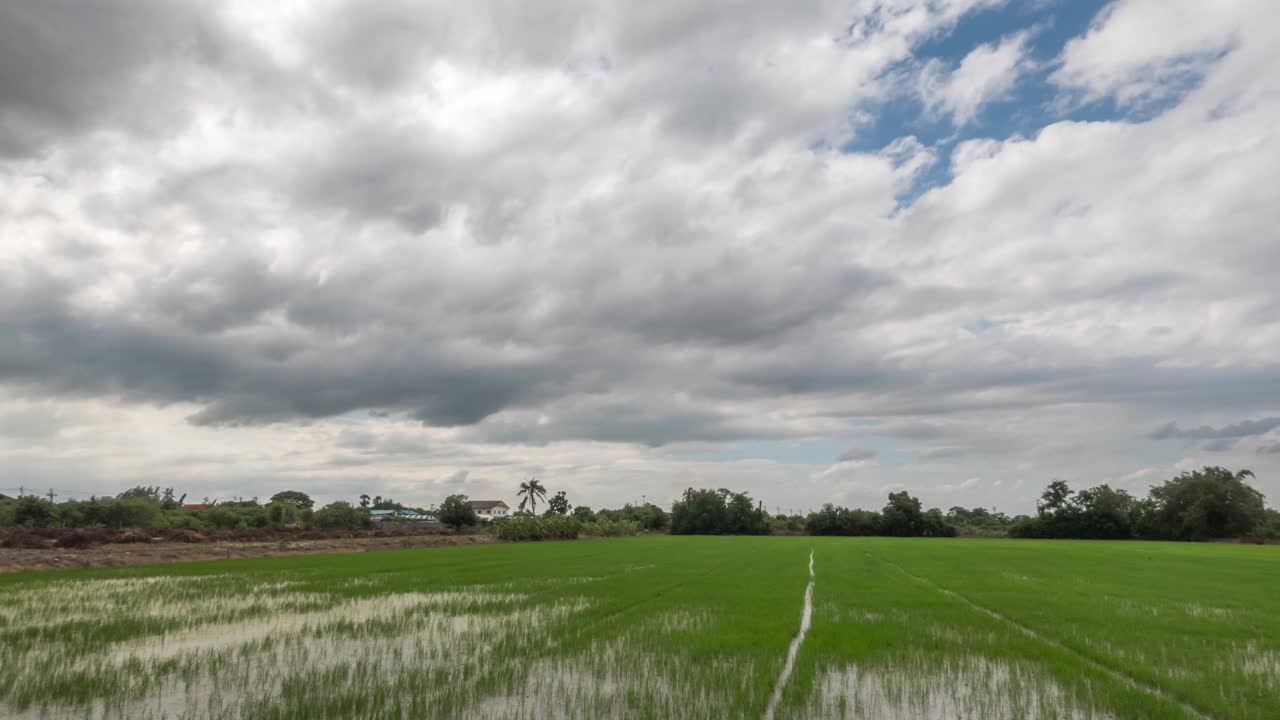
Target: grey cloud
68, 67
736, 302
1246, 428
31, 423
856, 452
373, 172
1219, 445
942, 453
456, 478
63, 350
609, 223
656, 420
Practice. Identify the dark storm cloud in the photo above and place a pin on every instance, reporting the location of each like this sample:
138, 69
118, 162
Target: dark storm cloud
71, 66
737, 301
653, 422
58, 348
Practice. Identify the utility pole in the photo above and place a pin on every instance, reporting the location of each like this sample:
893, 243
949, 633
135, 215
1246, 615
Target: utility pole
51, 494
22, 490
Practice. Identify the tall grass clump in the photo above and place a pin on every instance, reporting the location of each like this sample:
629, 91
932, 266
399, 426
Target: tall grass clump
604, 527
529, 527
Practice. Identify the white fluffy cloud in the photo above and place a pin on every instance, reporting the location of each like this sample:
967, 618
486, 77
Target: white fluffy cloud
987, 74
1141, 50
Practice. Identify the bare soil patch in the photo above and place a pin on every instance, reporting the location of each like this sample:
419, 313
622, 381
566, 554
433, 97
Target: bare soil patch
40, 549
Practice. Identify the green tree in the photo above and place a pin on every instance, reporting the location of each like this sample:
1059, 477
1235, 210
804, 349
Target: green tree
294, 497
151, 493
558, 505
744, 518
531, 491
456, 512
1054, 498
717, 512
1102, 513
136, 512
1210, 503
902, 517
169, 501
364, 500
31, 511
700, 512
584, 514
341, 514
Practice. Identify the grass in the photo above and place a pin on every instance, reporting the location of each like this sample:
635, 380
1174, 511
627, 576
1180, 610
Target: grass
658, 627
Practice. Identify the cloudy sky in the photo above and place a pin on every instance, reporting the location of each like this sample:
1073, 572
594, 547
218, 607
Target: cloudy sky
817, 250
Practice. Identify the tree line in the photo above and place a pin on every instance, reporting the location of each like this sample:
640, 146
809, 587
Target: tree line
150, 507
557, 520
1206, 504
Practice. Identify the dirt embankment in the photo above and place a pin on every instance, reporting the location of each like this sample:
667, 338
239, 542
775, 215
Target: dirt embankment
39, 549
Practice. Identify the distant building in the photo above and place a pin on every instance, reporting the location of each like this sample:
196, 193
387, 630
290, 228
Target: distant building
490, 509
405, 514
195, 506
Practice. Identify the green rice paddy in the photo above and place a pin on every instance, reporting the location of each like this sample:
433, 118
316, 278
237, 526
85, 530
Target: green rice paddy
659, 627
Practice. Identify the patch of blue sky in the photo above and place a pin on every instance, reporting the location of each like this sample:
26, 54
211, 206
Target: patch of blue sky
1031, 105
984, 325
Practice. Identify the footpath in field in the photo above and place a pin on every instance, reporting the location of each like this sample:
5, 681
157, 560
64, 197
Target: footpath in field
806, 619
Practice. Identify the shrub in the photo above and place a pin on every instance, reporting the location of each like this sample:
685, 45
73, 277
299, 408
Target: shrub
456, 511
341, 514
528, 527
604, 527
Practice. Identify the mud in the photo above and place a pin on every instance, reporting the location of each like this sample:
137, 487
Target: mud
159, 550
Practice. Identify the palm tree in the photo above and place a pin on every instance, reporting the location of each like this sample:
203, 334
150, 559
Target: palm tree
531, 490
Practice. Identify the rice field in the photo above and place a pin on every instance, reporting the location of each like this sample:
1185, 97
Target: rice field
659, 627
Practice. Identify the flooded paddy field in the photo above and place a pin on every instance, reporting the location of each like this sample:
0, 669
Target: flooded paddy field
660, 627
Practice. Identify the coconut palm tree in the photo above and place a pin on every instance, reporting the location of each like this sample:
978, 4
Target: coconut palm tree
531, 490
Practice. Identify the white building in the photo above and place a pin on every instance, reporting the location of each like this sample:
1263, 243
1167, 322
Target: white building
404, 514
490, 509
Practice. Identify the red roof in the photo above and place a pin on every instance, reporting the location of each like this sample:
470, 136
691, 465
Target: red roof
195, 506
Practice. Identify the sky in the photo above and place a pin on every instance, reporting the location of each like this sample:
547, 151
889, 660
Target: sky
817, 250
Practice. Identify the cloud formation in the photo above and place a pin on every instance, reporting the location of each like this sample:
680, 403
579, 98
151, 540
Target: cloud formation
373, 245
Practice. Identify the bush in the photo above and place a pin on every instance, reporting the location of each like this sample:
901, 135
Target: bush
528, 527
456, 512
833, 520
342, 514
717, 512
34, 512
604, 527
